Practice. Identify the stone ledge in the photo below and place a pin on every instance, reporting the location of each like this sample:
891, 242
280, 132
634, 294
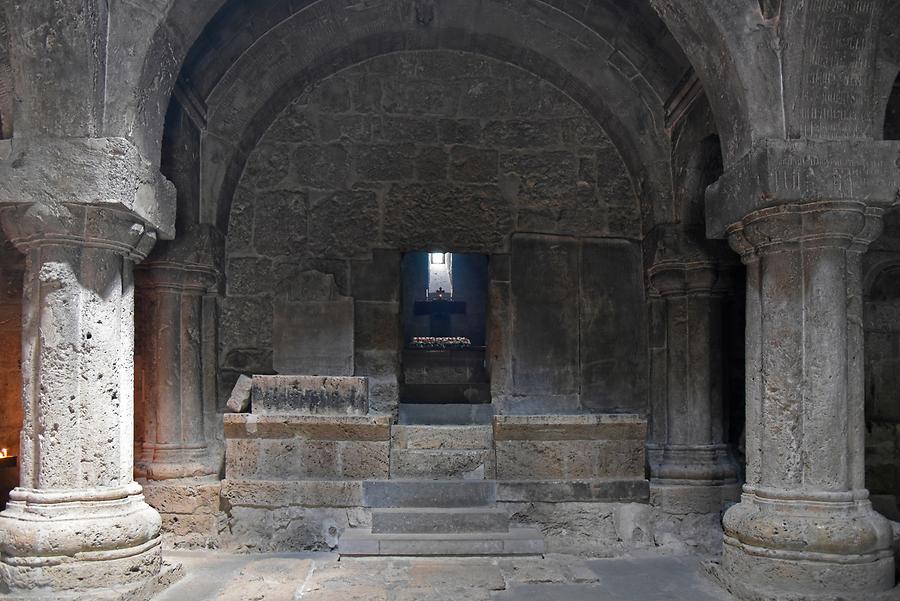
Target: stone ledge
303, 493
565, 491
313, 427
570, 427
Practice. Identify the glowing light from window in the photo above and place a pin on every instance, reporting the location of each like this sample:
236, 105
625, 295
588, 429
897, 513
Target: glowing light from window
438, 258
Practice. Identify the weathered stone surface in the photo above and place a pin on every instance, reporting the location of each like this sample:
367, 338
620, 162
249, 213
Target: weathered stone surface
315, 427
305, 493
313, 328
239, 401
310, 395
303, 459
441, 437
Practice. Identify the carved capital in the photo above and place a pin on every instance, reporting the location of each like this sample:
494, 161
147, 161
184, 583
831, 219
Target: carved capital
102, 172
843, 224
798, 172
30, 226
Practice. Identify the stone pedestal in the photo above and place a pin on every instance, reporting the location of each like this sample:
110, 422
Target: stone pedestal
78, 520
691, 468
805, 527
172, 439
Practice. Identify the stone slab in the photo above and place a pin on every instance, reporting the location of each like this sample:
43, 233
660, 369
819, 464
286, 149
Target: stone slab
434, 493
239, 401
449, 414
313, 328
611, 426
518, 541
305, 395
565, 491
569, 459
429, 520
442, 464
441, 437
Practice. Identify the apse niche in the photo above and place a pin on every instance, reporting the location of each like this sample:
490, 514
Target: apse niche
444, 328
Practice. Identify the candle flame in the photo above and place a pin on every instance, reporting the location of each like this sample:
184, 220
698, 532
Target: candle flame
3, 453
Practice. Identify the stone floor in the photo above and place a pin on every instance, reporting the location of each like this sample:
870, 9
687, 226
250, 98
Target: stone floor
322, 577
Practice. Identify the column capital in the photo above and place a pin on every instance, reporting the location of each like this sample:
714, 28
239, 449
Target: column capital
850, 225
191, 262
108, 173
685, 263
779, 172
108, 228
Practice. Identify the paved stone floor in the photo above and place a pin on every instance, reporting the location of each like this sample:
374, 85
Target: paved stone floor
321, 577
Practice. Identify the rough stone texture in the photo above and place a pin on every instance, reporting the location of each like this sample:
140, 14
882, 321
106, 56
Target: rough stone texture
312, 328
239, 400
261, 447
310, 395
565, 352
77, 436
408, 151
170, 429
805, 436
573, 447
12, 268
191, 512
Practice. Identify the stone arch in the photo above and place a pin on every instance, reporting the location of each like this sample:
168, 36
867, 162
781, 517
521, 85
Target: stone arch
730, 47
625, 37
276, 71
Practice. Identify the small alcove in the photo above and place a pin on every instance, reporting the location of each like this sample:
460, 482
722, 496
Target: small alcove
444, 313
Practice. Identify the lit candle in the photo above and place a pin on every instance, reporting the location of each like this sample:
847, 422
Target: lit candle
3, 453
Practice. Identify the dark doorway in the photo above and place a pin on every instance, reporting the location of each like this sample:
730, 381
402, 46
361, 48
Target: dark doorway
444, 328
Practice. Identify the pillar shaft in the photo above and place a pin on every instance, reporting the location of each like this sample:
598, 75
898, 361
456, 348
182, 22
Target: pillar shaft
77, 503
692, 465
173, 441
804, 525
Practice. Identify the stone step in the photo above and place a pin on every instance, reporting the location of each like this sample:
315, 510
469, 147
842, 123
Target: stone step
444, 464
442, 437
518, 541
432, 521
445, 415
429, 493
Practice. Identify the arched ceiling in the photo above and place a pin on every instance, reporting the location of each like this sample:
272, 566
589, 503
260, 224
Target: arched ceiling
614, 57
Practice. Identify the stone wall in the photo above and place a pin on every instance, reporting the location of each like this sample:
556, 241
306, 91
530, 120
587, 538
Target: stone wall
422, 150
12, 265
882, 348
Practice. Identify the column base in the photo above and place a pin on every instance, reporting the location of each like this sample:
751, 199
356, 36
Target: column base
172, 462
78, 540
682, 499
824, 546
169, 574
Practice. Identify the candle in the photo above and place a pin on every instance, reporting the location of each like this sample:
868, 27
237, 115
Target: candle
3, 453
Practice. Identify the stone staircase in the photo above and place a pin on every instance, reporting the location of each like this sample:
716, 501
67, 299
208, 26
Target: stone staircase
441, 498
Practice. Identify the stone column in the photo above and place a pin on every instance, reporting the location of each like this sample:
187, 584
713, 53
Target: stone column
78, 520
173, 439
804, 526
693, 471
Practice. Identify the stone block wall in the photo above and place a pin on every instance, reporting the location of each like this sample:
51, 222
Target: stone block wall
416, 151
12, 265
570, 447
299, 447
882, 360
